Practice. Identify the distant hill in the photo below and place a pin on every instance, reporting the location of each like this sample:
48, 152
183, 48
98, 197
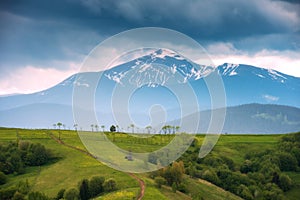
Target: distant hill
260, 118
248, 118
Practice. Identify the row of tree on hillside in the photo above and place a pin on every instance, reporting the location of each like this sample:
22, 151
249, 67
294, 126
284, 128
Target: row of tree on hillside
167, 129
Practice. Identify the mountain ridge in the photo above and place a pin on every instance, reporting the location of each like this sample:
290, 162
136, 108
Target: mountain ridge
150, 76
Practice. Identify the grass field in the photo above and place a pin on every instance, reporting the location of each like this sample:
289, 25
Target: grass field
71, 165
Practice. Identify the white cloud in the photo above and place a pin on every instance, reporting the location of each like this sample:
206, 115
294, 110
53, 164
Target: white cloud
31, 79
287, 62
270, 98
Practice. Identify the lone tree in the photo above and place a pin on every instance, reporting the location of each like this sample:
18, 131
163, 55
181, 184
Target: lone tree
75, 126
177, 128
148, 129
132, 127
92, 126
59, 124
96, 127
112, 128
103, 127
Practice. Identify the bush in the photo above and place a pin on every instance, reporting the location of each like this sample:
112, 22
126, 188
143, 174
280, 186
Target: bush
174, 187
37, 155
159, 181
84, 189
110, 185
37, 196
272, 192
244, 192
71, 194
7, 193
211, 176
3, 178
285, 183
96, 185
246, 167
18, 196
60, 194
287, 162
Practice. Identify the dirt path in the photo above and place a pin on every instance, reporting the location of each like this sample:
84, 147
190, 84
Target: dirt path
141, 182
142, 186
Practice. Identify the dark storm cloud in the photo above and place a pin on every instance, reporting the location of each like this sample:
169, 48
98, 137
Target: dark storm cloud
36, 32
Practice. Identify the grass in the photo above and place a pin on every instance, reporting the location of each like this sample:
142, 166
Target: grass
126, 194
200, 188
71, 165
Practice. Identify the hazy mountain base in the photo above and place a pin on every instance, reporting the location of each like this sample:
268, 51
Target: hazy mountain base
249, 118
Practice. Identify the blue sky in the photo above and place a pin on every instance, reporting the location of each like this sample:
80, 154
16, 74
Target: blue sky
43, 42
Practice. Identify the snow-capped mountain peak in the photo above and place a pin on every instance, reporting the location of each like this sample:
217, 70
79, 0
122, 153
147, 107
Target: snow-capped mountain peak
157, 68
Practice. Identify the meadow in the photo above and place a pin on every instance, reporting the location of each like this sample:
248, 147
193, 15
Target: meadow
71, 164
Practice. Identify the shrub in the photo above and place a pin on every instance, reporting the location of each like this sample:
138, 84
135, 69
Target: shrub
159, 181
96, 185
60, 194
71, 194
110, 185
287, 161
285, 183
18, 196
37, 196
3, 178
84, 189
211, 176
7, 193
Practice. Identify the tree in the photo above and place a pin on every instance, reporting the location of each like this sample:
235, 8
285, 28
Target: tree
18, 196
96, 185
54, 126
75, 126
84, 189
59, 124
71, 194
246, 167
96, 127
148, 128
287, 161
112, 128
132, 127
177, 128
37, 155
37, 196
103, 128
3, 178
64, 126
285, 183
159, 181
110, 185
92, 126
174, 174
174, 187
60, 194
164, 129
211, 176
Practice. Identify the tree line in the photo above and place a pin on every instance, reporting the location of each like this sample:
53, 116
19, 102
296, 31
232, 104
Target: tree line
262, 174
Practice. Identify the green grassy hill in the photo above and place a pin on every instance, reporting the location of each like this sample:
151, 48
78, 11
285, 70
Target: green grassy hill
72, 165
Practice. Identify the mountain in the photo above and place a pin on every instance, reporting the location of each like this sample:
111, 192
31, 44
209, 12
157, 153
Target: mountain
156, 79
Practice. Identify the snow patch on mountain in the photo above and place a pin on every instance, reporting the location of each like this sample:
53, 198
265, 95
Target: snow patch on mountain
157, 68
275, 75
229, 69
